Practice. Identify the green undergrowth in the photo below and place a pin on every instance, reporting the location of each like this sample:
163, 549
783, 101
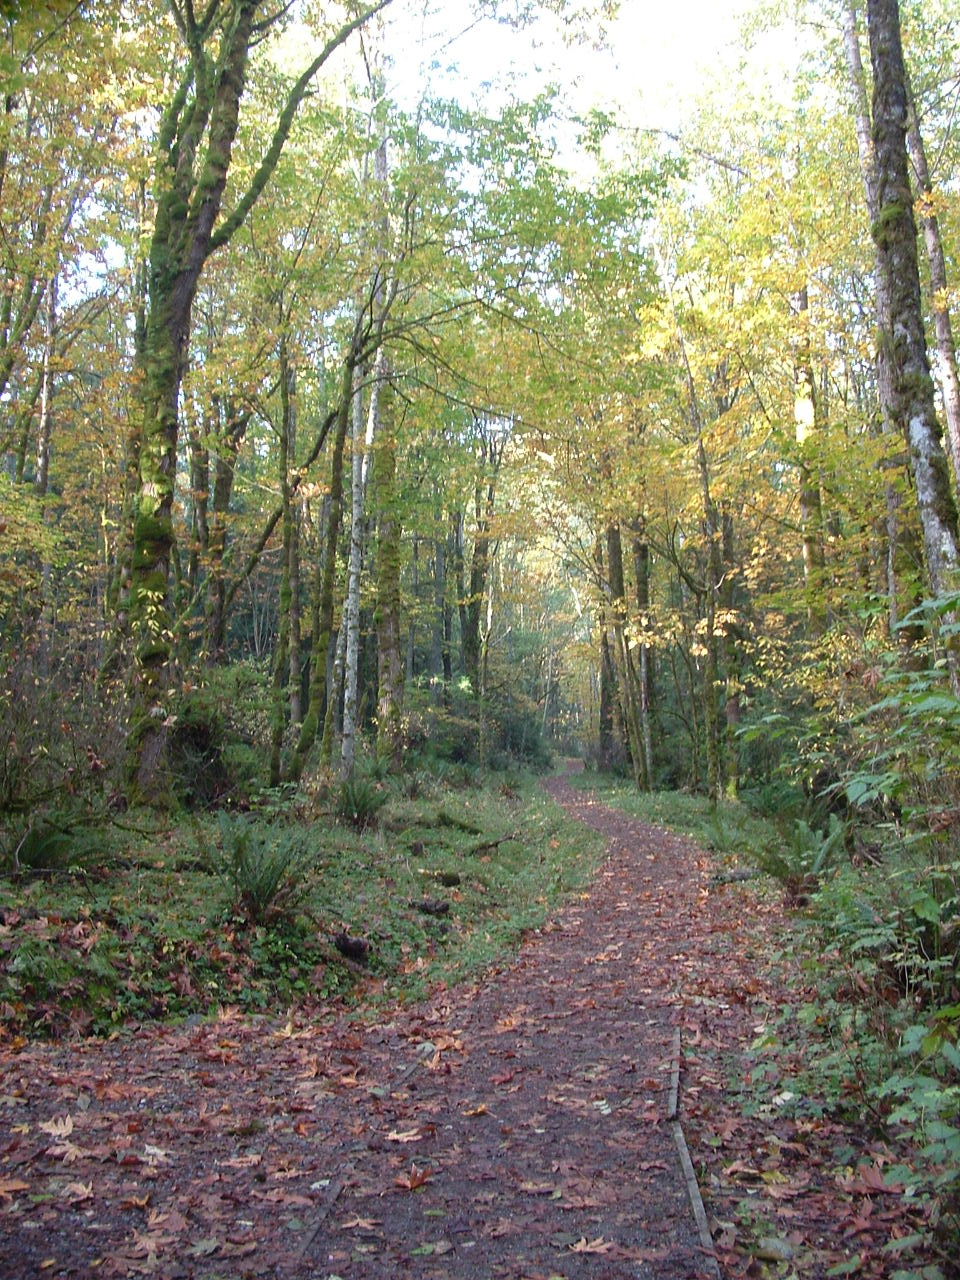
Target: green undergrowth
427, 879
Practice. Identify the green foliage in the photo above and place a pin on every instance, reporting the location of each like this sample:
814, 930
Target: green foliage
804, 854
359, 800
52, 843
157, 933
263, 863
216, 740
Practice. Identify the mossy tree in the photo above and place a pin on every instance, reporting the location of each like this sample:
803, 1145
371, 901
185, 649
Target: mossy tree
193, 153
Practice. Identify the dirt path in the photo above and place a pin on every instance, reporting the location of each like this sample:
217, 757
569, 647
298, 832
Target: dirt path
514, 1130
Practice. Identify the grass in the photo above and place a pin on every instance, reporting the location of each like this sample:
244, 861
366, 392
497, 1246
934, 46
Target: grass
155, 930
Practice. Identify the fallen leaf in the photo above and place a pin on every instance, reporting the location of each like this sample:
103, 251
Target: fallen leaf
58, 1128
360, 1224
10, 1186
78, 1191
242, 1162
405, 1135
135, 1202
414, 1179
204, 1248
480, 1110
599, 1245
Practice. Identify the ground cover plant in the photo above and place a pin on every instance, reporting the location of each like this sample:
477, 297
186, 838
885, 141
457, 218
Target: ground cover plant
257, 910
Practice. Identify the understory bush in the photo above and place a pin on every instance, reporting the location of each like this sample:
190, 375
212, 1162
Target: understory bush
263, 863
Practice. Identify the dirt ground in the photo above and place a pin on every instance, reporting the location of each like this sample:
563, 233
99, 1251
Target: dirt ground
517, 1128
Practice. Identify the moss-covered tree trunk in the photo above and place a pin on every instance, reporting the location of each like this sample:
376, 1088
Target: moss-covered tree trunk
904, 555
195, 144
895, 235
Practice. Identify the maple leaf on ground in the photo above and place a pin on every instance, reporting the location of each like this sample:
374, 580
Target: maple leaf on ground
869, 1180
78, 1191
360, 1224
583, 1245
68, 1152
414, 1179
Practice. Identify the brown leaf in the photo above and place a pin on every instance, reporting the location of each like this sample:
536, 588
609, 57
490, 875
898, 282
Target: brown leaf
405, 1135
78, 1191
414, 1179
599, 1245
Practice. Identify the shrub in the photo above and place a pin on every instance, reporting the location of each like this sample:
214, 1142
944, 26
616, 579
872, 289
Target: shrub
360, 800
263, 864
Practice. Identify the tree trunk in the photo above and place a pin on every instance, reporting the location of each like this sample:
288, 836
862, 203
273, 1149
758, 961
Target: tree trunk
363, 437
282, 655
626, 670
323, 629
903, 553
806, 427
230, 439
641, 573
939, 294
389, 649
895, 235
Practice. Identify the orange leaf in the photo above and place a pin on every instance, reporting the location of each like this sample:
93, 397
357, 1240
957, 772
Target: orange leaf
414, 1179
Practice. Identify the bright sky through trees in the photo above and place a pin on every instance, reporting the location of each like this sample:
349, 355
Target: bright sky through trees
654, 61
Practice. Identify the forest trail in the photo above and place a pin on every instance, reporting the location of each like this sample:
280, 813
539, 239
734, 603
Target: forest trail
517, 1129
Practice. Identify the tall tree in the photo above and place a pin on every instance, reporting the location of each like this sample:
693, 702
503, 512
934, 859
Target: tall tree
895, 234
194, 149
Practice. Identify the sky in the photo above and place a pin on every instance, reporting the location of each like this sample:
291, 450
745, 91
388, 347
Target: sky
657, 56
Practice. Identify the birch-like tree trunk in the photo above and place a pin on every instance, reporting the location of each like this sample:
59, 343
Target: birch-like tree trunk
364, 427
806, 429
390, 666
939, 294
895, 235
282, 655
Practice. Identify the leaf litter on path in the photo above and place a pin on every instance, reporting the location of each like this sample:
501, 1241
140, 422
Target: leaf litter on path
535, 1102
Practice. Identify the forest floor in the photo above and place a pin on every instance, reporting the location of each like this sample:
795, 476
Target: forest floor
516, 1128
